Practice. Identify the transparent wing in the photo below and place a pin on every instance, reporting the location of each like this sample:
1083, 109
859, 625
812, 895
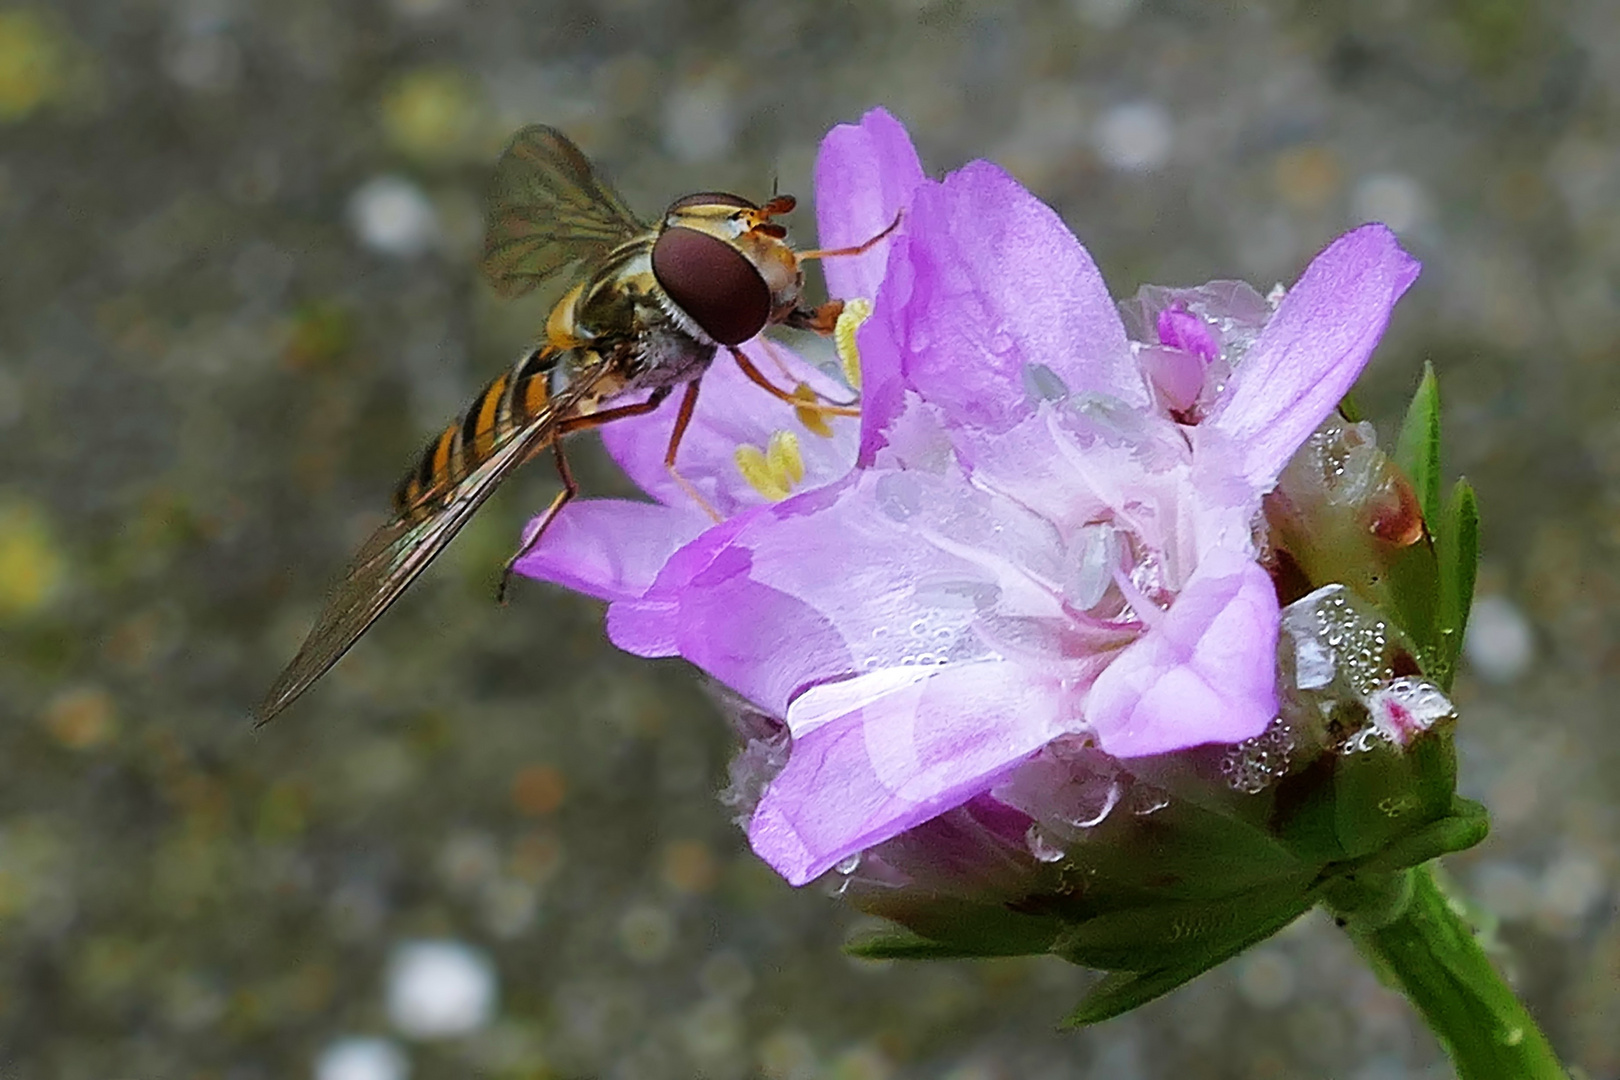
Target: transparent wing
547, 209
399, 551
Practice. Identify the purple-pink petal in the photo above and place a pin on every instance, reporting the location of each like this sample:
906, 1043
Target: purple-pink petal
990, 305
1313, 348
611, 549
1205, 673
865, 175
899, 759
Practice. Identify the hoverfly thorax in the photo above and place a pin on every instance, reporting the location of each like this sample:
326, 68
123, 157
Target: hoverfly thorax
726, 265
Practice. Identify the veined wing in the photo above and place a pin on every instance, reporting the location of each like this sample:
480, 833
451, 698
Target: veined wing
399, 551
547, 209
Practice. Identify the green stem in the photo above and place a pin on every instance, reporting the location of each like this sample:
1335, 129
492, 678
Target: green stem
1418, 939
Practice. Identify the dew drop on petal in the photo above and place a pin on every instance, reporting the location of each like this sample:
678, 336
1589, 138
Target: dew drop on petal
1042, 847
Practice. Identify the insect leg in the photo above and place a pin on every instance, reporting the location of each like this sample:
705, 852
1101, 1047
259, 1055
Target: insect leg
858, 249
788, 396
682, 419
570, 487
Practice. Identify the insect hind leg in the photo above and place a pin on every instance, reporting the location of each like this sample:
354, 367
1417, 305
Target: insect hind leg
569, 490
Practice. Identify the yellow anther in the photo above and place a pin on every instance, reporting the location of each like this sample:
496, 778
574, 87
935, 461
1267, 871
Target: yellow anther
855, 312
757, 471
775, 470
810, 414
782, 455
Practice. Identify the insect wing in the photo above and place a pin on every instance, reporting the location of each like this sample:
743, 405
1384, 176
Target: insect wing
548, 209
399, 551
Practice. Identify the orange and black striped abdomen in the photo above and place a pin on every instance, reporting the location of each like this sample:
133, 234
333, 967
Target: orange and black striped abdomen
511, 401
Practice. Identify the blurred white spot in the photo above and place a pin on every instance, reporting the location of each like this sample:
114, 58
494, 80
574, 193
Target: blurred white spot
1267, 978
1499, 644
699, 123
1571, 886
392, 215
646, 933
1103, 14
1136, 137
1393, 198
439, 988
362, 1059
208, 63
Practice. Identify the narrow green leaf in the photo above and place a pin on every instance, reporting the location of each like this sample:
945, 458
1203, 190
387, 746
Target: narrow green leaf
904, 945
1457, 548
1120, 992
1170, 935
1466, 826
1417, 450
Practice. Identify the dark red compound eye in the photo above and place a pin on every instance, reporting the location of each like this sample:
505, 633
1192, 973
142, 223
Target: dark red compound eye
710, 198
713, 282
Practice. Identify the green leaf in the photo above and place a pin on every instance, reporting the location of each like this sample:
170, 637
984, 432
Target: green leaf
1121, 992
1457, 550
941, 926
1386, 793
1417, 449
1172, 935
904, 945
1465, 826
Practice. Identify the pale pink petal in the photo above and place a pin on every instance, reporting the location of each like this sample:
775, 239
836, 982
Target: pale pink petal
1313, 348
865, 174
908, 753
1206, 673
611, 549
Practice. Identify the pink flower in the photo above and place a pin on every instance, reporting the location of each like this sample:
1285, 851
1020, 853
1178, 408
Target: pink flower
1039, 529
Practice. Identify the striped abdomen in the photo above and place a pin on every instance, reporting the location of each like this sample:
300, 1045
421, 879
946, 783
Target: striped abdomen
509, 403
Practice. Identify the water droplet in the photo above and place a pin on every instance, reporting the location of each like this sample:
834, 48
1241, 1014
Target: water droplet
849, 864
1043, 847
1146, 799
1001, 341
1041, 383
899, 496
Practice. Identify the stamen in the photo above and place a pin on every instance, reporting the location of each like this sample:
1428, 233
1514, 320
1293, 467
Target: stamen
810, 414
855, 312
774, 471
782, 454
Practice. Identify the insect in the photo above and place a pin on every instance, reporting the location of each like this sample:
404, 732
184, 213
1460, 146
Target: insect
652, 305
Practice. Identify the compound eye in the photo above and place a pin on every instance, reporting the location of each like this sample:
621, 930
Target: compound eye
710, 198
712, 282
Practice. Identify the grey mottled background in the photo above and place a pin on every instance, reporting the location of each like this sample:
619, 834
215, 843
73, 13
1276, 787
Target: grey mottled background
237, 290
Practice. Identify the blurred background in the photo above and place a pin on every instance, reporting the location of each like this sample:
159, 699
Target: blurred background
238, 291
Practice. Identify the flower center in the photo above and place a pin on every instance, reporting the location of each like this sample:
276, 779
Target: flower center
774, 470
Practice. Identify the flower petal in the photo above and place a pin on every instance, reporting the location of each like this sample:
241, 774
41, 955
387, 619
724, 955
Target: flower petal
1206, 673
865, 174
902, 757
611, 549
1313, 348
990, 305
732, 412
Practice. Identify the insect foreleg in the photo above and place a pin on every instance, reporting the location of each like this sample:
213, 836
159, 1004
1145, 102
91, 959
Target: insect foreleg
758, 379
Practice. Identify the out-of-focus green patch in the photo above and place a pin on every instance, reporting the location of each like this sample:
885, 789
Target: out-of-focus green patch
32, 568
434, 114
318, 334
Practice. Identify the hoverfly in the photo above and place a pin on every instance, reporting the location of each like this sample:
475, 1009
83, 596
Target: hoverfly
652, 305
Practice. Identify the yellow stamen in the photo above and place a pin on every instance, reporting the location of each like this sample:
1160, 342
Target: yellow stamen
810, 414
757, 471
782, 455
774, 471
855, 312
